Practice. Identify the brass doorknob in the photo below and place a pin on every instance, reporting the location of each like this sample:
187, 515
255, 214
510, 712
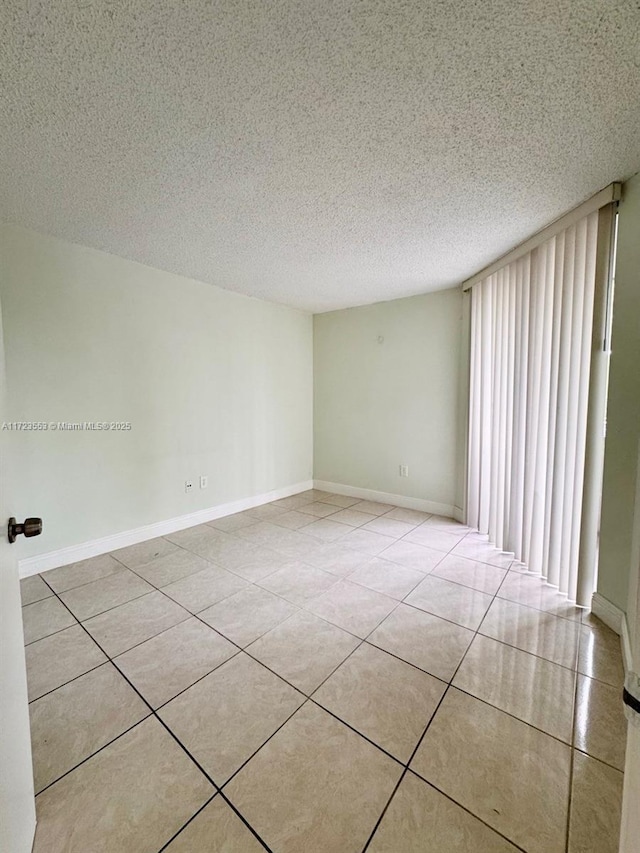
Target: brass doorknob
30, 527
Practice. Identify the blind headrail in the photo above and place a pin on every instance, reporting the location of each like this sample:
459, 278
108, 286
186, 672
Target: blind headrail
606, 196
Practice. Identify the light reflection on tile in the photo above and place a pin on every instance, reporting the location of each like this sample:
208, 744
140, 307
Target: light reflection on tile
452, 601
596, 802
600, 654
534, 592
512, 776
532, 631
528, 687
601, 726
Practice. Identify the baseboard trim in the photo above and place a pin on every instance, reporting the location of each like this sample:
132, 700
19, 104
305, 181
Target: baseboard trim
73, 553
615, 619
385, 497
458, 514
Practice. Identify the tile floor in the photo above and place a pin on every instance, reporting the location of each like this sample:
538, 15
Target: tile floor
319, 674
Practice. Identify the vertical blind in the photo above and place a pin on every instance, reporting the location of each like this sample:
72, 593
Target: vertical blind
531, 336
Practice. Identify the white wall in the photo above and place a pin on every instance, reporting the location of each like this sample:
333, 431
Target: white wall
213, 383
623, 411
381, 404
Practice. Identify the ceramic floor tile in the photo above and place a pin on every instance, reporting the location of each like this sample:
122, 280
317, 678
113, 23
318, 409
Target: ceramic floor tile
216, 829
144, 552
434, 537
387, 700
452, 601
201, 590
134, 622
532, 631
168, 663
336, 559
352, 517
389, 526
78, 719
601, 726
304, 789
389, 578
178, 564
413, 556
320, 510
596, 802
198, 537
298, 583
229, 523
412, 516
373, 507
85, 571
131, 797
534, 592
327, 530
352, 607
265, 533
59, 658
293, 520
343, 501
43, 618
248, 614
297, 545
224, 718
316, 494
426, 641
96, 597
33, 589
367, 541
476, 549
259, 565
266, 512
534, 690
228, 551
600, 654
294, 502
304, 650
510, 775
422, 820
480, 576
448, 525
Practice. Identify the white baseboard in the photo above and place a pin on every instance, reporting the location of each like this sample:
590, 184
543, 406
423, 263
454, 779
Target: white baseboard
615, 619
74, 553
385, 498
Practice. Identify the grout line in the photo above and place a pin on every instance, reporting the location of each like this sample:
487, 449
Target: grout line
272, 735
91, 755
193, 817
69, 681
574, 707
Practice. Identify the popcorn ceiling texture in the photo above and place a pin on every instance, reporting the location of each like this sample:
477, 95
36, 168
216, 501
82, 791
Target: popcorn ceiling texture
321, 154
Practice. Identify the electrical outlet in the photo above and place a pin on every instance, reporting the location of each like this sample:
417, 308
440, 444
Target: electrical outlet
404, 470
188, 486
204, 482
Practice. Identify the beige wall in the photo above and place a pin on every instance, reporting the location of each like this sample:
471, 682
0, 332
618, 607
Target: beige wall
378, 405
214, 384
623, 412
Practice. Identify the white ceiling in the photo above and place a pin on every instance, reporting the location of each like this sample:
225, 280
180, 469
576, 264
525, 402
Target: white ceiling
321, 154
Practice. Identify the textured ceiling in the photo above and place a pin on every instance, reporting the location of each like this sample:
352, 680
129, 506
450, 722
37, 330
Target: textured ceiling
321, 154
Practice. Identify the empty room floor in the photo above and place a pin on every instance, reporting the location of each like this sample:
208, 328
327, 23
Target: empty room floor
319, 674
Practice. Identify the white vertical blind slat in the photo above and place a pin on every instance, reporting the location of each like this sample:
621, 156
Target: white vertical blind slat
530, 352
